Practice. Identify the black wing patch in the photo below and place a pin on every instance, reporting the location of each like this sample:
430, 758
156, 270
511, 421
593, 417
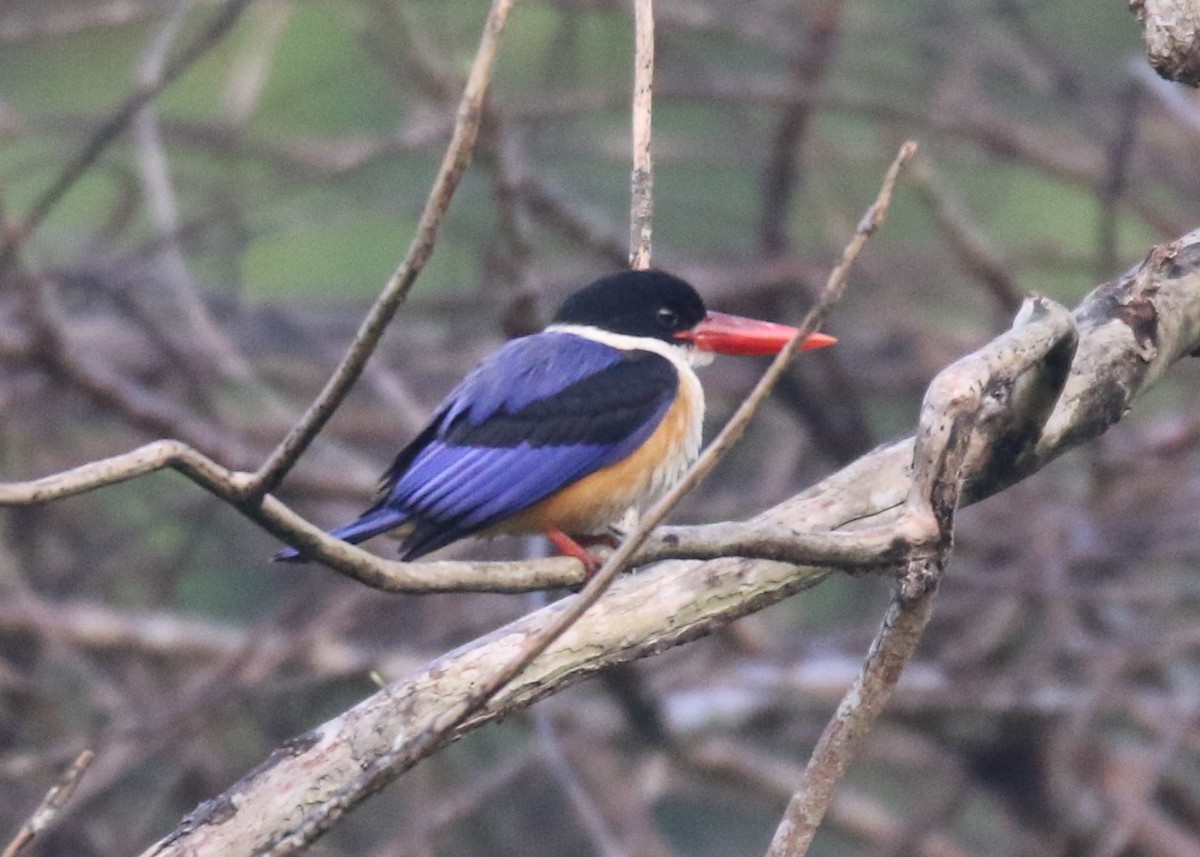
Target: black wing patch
604, 409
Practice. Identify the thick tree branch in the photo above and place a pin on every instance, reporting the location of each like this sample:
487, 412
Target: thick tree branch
1171, 30
353, 562
384, 767
1129, 332
956, 404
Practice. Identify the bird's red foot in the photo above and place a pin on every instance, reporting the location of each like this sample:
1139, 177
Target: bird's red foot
568, 546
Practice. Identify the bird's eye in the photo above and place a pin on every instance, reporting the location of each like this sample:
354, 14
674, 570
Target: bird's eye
668, 318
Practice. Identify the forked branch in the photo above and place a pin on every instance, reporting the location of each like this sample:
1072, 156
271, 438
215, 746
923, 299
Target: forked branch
1097, 360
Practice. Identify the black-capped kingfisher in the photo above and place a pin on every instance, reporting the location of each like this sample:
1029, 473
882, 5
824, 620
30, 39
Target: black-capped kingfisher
564, 431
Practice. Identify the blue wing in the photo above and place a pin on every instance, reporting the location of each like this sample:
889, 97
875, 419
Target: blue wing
533, 417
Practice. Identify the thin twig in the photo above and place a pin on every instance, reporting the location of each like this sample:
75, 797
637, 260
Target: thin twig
52, 804
752, 540
251, 66
956, 402
855, 813
847, 730
893, 647
205, 339
781, 175
641, 180
1120, 163
589, 815
1050, 331
585, 228
677, 602
967, 241
454, 164
732, 431
275, 517
387, 766
118, 121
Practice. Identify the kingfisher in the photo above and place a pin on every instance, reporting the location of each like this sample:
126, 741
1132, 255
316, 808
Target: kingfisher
564, 431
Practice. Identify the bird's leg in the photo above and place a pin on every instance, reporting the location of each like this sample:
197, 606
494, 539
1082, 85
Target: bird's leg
608, 540
570, 547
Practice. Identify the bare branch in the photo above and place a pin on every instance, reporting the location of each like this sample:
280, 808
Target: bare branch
589, 815
1066, 616
56, 798
1171, 30
951, 411
385, 767
782, 178
454, 164
206, 340
204, 41
641, 181
966, 240
585, 228
249, 70
675, 602
967, 396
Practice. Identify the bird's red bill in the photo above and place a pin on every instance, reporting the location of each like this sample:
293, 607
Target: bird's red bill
748, 337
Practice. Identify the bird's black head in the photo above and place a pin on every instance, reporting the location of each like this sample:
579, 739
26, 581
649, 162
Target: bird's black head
636, 303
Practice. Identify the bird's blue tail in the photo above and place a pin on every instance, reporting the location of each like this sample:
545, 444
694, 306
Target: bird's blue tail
372, 523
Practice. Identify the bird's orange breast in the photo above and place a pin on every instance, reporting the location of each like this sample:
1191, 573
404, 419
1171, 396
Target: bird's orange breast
599, 499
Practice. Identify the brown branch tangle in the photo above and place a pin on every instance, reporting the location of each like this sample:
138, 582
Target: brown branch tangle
1098, 359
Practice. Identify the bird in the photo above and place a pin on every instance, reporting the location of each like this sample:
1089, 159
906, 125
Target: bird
564, 431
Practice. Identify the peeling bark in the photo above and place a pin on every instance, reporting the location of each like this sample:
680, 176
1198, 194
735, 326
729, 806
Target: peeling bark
1115, 345
1171, 31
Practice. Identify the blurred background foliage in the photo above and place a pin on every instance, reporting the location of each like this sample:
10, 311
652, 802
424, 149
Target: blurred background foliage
1054, 711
